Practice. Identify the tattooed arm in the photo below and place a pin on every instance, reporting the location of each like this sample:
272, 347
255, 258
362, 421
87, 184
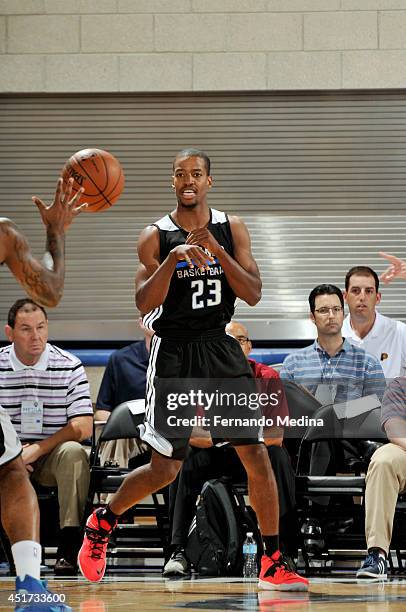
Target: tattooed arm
43, 282
43, 285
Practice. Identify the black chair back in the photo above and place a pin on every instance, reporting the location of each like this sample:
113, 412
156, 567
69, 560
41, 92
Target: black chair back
122, 423
365, 426
301, 403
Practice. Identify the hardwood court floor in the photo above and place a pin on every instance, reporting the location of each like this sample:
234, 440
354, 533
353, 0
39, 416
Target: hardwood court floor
153, 593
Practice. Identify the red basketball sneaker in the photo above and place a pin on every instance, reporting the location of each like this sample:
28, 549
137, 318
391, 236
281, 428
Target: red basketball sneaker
92, 555
276, 575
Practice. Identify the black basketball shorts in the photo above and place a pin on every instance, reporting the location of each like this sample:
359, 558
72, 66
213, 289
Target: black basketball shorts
204, 381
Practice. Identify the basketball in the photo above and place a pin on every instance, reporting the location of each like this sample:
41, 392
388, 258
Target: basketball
99, 173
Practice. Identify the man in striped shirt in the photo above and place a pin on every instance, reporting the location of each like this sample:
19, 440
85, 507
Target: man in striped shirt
46, 395
331, 368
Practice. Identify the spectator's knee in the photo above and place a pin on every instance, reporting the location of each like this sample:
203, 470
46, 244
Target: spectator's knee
73, 452
381, 462
379, 456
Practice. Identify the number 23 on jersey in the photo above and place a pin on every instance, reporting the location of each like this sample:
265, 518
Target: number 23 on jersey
213, 295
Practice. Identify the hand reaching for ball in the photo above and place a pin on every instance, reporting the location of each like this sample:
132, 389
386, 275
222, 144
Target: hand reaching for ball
60, 214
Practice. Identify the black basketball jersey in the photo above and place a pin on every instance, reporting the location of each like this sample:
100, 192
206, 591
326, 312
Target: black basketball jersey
197, 300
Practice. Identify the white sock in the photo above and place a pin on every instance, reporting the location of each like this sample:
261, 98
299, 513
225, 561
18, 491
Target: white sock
27, 558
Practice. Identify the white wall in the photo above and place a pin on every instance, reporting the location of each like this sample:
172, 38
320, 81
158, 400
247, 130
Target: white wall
201, 45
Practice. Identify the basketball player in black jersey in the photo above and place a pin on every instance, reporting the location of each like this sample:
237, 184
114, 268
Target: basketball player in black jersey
194, 262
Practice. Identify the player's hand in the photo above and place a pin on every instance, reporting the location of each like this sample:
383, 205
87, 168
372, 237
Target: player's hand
65, 207
193, 255
31, 453
397, 268
204, 238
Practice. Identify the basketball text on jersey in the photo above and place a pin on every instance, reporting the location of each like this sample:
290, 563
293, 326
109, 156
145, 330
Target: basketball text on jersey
198, 299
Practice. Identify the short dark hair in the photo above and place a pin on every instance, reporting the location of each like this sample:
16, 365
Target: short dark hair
362, 271
324, 289
191, 152
19, 305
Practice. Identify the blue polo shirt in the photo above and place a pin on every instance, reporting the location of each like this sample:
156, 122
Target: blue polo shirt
124, 377
351, 371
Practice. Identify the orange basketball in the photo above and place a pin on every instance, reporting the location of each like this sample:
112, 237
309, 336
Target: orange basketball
99, 173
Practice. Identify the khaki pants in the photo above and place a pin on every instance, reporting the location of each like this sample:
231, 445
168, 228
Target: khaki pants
66, 467
120, 451
385, 480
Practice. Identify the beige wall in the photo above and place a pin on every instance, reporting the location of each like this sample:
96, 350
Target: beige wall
94, 376
201, 45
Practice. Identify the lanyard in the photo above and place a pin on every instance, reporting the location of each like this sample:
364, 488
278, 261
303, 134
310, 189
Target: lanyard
328, 379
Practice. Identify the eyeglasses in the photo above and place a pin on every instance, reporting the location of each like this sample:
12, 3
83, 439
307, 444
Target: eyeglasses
325, 310
242, 339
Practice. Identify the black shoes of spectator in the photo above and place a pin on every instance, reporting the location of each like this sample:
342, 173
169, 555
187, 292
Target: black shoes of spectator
70, 540
63, 567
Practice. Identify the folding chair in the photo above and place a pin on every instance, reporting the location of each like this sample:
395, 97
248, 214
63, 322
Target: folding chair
334, 431
301, 403
123, 424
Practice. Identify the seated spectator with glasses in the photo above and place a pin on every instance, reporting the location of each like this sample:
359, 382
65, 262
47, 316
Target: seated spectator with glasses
334, 371
332, 368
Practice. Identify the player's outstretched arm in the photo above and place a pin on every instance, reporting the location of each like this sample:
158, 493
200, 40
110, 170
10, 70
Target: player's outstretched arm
43, 285
396, 269
241, 271
153, 278
42, 281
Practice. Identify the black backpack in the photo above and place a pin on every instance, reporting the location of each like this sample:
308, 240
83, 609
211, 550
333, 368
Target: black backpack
214, 545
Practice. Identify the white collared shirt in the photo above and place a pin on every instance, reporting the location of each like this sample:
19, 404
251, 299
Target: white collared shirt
41, 364
386, 340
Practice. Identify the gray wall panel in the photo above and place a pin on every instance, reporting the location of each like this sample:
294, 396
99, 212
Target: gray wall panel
319, 179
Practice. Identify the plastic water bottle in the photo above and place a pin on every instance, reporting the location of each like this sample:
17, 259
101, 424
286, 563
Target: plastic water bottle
250, 556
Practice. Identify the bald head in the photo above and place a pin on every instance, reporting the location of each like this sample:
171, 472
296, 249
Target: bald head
240, 333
